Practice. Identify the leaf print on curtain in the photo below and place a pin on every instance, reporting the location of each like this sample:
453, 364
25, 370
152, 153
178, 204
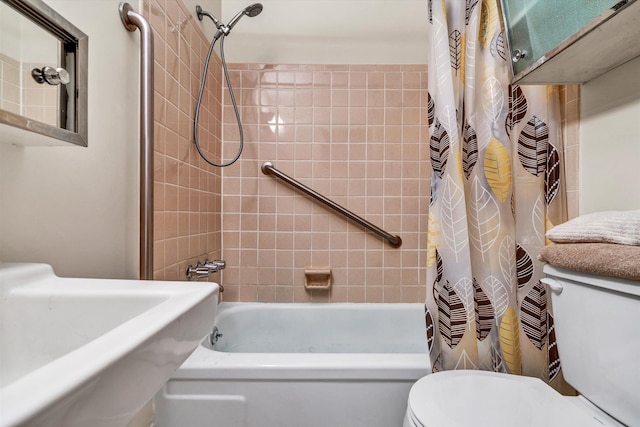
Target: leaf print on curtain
524, 266
517, 107
489, 22
510, 342
552, 175
469, 149
456, 50
554, 358
464, 289
483, 216
533, 313
492, 98
453, 224
439, 148
430, 109
497, 169
497, 183
533, 144
452, 316
429, 323
499, 47
485, 317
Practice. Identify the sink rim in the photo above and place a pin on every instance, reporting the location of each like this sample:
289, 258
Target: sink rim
85, 363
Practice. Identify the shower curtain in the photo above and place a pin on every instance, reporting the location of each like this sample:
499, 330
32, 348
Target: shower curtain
496, 187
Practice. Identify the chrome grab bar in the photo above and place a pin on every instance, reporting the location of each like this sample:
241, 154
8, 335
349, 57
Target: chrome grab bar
131, 21
269, 169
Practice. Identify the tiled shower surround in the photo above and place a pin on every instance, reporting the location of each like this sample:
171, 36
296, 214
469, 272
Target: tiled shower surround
355, 134
187, 221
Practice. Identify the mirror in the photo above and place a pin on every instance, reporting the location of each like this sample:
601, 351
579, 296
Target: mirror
43, 76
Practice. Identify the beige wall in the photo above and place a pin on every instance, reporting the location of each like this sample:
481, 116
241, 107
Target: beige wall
72, 207
610, 141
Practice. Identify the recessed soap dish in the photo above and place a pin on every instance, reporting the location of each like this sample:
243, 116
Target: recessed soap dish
317, 278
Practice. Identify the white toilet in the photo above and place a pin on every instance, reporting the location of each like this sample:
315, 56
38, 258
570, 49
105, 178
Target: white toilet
597, 324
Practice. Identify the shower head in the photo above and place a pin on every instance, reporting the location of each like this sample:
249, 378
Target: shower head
253, 10
250, 11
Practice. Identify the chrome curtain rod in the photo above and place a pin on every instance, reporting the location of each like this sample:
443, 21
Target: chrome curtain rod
132, 21
269, 169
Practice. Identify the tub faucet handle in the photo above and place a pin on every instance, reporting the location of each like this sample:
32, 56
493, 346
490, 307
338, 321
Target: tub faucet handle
216, 265
200, 271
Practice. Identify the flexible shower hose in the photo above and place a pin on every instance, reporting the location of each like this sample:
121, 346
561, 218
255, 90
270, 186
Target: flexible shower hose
233, 100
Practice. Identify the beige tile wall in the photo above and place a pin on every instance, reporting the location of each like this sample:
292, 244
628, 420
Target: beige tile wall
351, 132
187, 221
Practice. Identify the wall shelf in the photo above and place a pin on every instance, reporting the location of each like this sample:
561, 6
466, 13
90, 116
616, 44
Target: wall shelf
605, 43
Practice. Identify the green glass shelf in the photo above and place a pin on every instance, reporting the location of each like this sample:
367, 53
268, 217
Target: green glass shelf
581, 37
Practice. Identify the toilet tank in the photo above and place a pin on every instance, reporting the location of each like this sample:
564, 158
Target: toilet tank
597, 325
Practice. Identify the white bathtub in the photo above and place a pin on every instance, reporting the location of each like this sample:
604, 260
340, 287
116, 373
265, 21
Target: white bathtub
293, 365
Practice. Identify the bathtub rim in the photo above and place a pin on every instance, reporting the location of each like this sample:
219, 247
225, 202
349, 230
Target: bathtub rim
205, 364
208, 364
232, 306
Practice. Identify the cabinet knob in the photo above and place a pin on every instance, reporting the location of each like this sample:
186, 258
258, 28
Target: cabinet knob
518, 54
50, 75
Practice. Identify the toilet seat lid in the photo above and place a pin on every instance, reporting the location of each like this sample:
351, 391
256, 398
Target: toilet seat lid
479, 398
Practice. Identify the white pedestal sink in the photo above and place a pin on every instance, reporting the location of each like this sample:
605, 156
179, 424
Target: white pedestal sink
92, 352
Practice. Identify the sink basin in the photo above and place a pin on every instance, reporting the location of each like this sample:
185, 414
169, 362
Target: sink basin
92, 352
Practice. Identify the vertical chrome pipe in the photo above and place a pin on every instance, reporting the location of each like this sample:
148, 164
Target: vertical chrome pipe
133, 21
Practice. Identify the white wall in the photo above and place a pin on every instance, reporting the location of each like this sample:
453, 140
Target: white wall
329, 32
72, 207
610, 141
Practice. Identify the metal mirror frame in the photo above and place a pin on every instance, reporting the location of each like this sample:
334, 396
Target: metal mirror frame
76, 45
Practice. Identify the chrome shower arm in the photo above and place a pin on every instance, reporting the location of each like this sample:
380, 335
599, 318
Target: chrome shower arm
222, 29
200, 13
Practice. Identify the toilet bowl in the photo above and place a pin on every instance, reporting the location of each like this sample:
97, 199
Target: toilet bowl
479, 399
597, 322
